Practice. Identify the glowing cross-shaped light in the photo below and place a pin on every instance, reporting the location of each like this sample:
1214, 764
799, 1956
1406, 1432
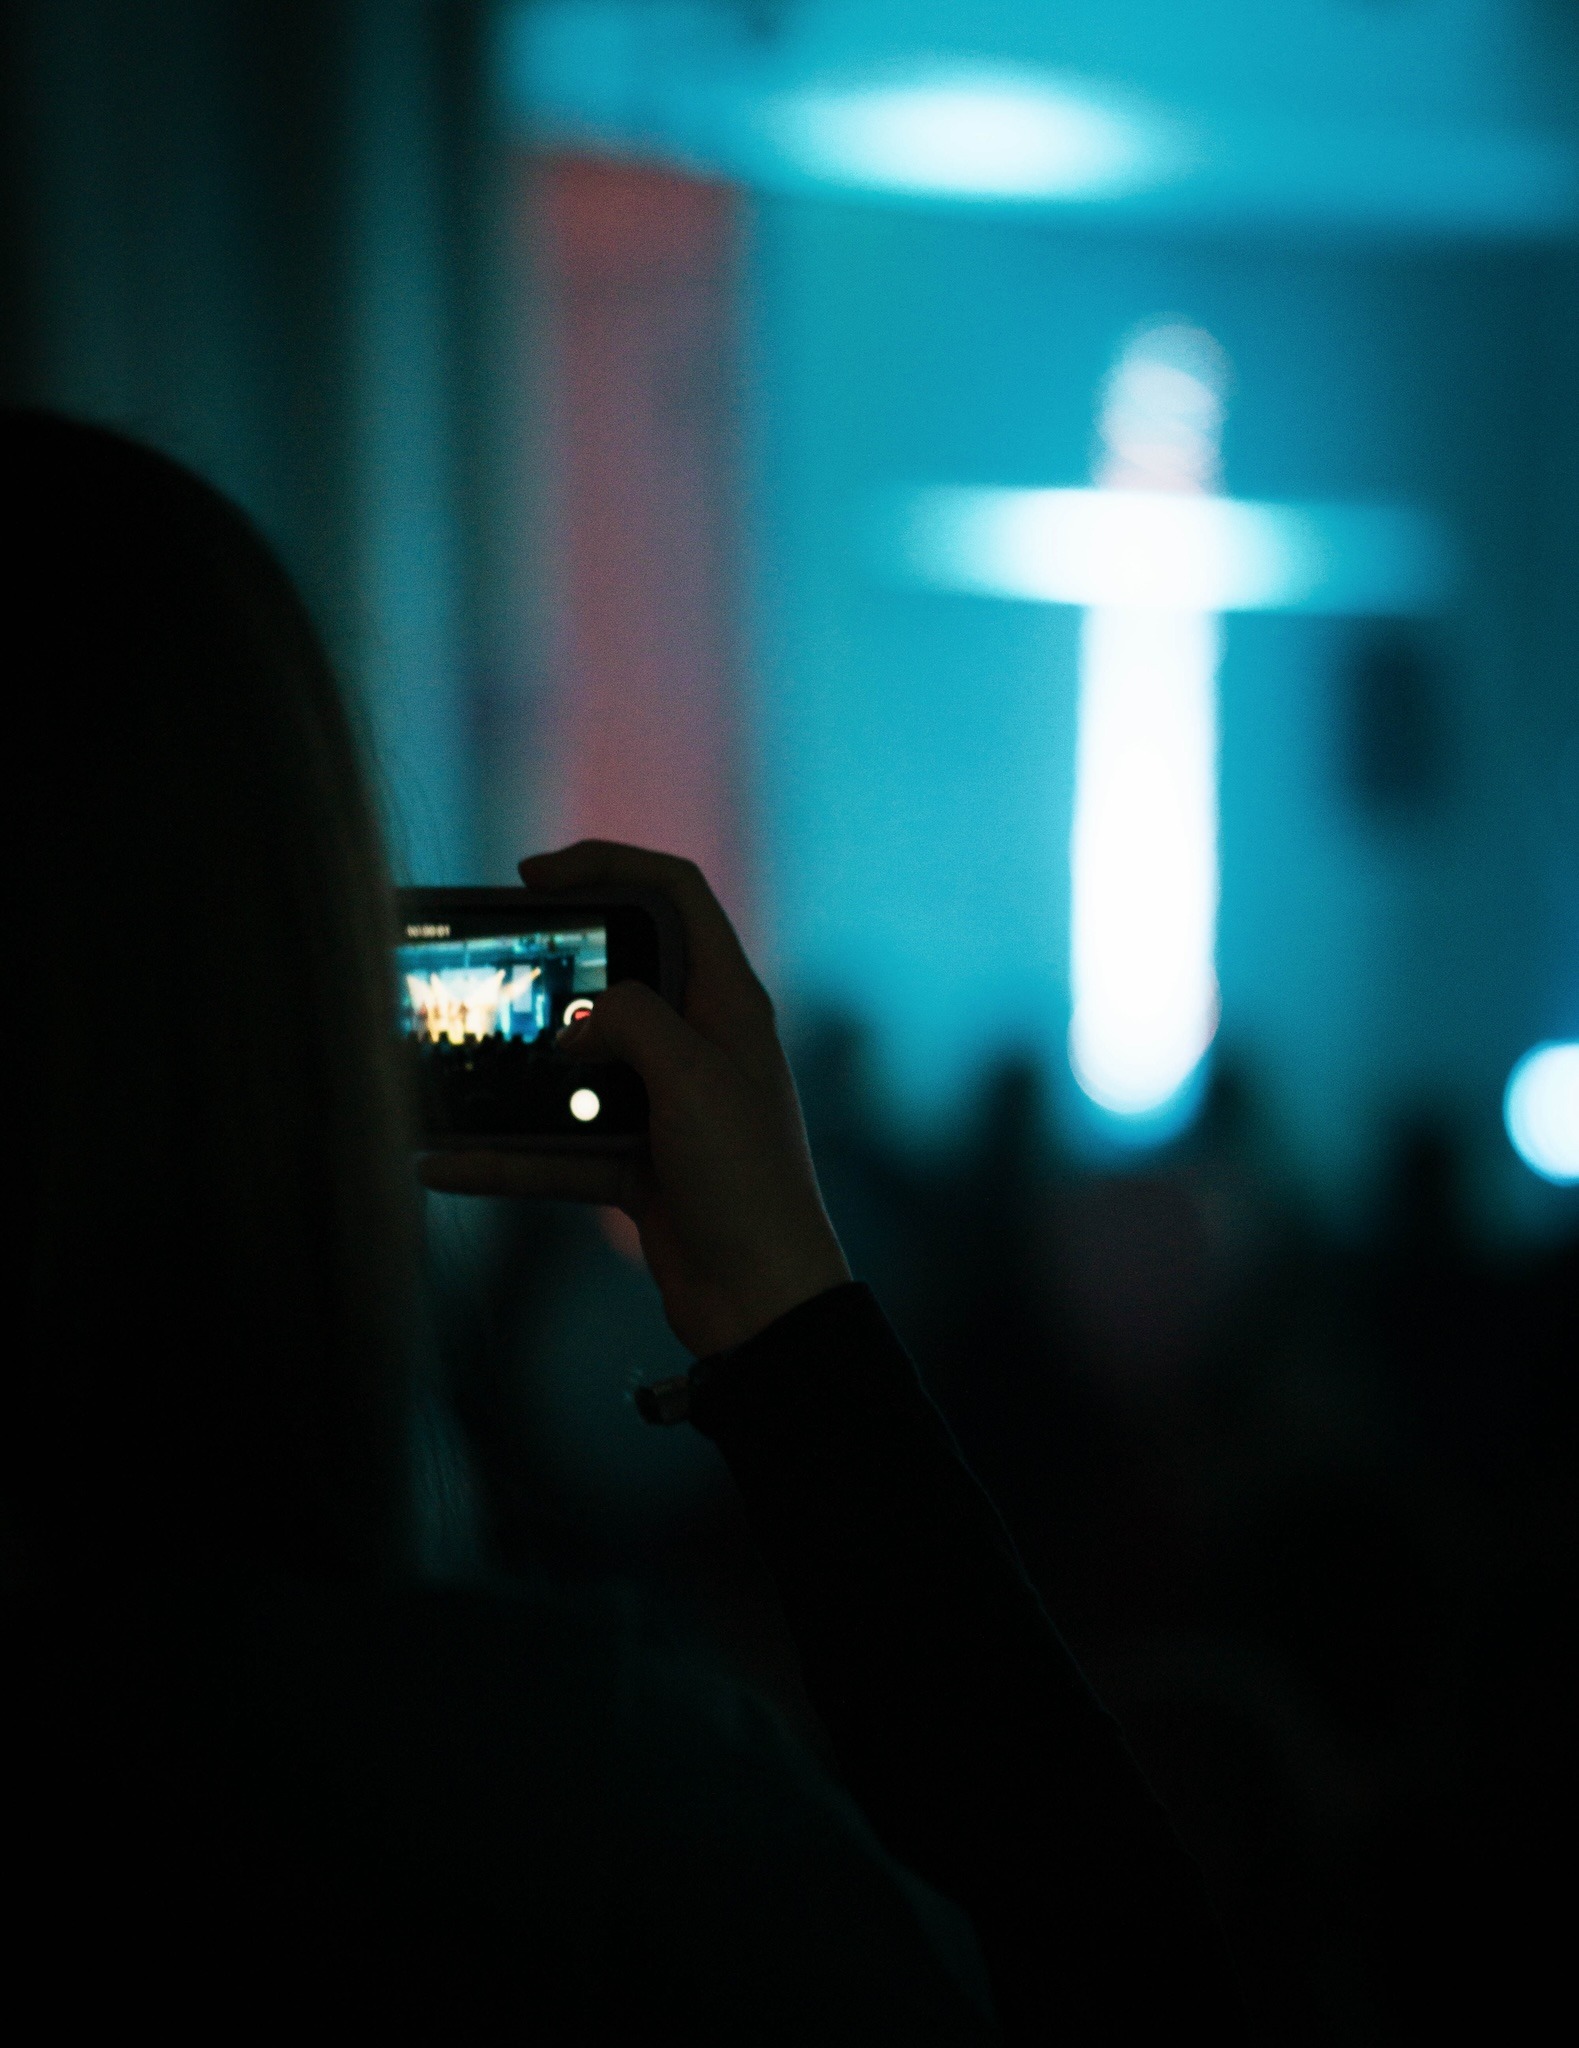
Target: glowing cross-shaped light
1154, 554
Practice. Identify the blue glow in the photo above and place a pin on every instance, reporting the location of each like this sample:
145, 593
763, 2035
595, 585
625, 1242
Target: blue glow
1541, 1111
1171, 549
969, 133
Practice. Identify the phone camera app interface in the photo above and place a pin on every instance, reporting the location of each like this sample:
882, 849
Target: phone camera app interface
480, 1013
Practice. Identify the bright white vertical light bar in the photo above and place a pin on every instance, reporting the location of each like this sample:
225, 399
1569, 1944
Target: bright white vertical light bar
1143, 853
1144, 856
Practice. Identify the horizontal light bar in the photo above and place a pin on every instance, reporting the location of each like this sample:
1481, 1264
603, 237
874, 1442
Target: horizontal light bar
1179, 552
970, 133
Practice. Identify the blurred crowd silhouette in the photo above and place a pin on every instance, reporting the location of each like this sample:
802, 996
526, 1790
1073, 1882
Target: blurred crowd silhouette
1301, 1503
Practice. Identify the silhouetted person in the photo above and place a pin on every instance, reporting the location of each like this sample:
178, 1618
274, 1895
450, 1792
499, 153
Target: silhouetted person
260, 1773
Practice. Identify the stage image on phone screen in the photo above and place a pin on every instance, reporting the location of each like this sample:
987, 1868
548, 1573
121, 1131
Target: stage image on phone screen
480, 1014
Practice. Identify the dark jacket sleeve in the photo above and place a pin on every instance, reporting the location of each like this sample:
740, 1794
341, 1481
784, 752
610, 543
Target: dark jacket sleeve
961, 1722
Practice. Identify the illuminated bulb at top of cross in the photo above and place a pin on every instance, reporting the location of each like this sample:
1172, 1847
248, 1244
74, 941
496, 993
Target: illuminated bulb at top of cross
1162, 413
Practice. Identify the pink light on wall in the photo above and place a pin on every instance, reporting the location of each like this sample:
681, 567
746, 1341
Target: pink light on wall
638, 267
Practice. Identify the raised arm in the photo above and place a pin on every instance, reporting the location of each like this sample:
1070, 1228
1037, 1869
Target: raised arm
961, 1722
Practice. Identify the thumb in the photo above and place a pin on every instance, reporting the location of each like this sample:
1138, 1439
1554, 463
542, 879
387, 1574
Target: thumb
633, 1023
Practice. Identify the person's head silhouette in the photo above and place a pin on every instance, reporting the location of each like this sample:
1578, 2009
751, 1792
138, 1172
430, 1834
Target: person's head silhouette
210, 1110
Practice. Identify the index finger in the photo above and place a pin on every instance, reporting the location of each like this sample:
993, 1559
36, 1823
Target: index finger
721, 978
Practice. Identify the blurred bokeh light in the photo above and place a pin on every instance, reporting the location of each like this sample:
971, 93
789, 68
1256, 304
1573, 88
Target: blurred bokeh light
1542, 1111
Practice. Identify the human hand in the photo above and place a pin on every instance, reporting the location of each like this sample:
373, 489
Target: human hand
725, 1197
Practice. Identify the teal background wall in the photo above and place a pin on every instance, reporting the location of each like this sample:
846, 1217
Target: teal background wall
918, 747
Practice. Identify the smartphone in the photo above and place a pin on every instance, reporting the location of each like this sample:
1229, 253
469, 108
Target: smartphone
487, 978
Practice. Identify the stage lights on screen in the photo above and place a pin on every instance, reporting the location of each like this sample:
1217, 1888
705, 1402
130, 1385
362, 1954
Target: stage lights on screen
1541, 1111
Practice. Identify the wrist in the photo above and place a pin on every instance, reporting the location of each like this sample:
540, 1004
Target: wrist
775, 1288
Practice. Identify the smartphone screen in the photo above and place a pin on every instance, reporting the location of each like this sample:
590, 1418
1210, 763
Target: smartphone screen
504, 989
482, 992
